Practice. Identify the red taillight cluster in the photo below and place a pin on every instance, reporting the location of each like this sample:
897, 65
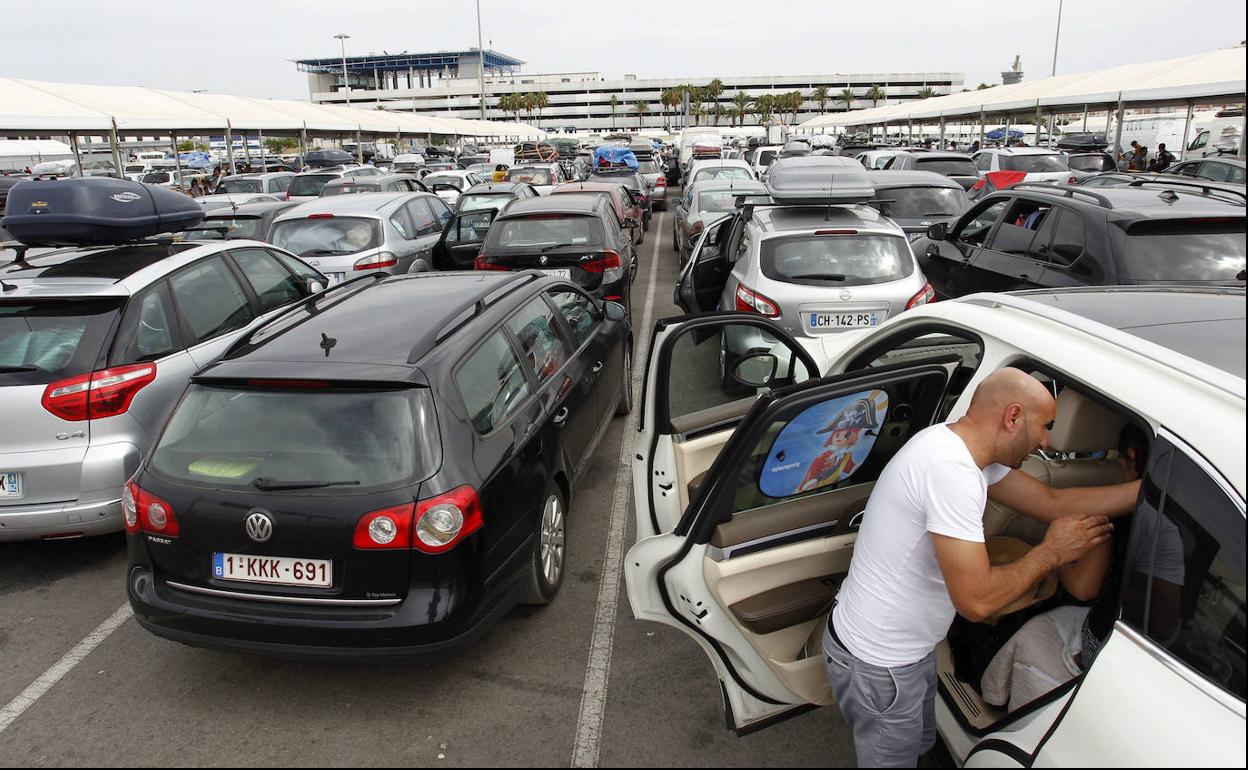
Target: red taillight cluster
1072, 180
105, 393
750, 301
376, 261
661, 181
434, 526
482, 262
607, 260
926, 294
147, 512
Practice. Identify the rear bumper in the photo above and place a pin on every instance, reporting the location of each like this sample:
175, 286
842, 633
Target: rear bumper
90, 489
69, 519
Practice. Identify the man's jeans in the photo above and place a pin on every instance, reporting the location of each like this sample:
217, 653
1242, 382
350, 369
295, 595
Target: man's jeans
892, 711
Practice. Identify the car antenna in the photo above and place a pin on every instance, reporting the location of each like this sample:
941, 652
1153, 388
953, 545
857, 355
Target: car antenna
327, 343
20, 250
7, 286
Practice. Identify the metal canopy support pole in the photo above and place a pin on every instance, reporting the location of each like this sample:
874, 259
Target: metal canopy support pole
1122, 109
981, 128
1085, 118
359, 146
910, 131
260, 139
177, 159
229, 146
73, 143
1243, 128
116, 142
1005, 136
1187, 128
942, 132
303, 142
1039, 121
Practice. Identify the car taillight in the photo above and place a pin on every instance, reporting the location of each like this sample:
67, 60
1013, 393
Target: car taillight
751, 301
151, 514
444, 521
926, 294
482, 262
377, 261
661, 181
287, 195
386, 528
607, 260
1072, 180
696, 228
106, 393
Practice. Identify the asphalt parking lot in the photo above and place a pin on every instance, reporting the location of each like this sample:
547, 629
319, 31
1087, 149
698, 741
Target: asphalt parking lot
528, 693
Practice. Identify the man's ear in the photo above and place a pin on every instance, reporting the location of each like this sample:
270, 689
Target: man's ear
1012, 420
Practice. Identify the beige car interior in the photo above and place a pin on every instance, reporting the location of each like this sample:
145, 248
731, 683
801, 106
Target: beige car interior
779, 595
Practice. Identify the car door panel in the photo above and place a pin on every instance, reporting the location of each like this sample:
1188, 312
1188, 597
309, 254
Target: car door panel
749, 572
703, 277
461, 239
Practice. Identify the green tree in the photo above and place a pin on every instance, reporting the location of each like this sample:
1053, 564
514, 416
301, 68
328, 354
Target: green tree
188, 146
615, 102
927, 92
846, 96
280, 145
669, 98
763, 106
982, 86
875, 94
541, 101
718, 111
711, 93
641, 107
798, 101
741, 107
820, 96
530, 104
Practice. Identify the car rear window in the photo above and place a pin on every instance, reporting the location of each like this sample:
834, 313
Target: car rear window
717, 200
837, 260
1091, 163
766, 157
49, 340
546, 230
239, 227
919, 202
309, 184
1034, 164
350, 189
534, 176
239, 186
454, 181
484, 201
1185, 250
230, 436
729, 172
948, 166
327, 236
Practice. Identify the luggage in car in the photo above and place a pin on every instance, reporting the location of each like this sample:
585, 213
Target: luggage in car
95, 210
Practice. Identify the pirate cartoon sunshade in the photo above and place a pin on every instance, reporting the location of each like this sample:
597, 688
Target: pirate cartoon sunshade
824, 444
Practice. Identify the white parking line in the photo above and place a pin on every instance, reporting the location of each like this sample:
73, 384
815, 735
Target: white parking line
598, 671
59, 669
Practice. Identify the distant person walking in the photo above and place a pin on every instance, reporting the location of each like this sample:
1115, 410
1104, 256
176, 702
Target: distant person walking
1164, 158
974, 147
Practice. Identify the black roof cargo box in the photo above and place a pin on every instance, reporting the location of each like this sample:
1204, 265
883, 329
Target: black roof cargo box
95, 210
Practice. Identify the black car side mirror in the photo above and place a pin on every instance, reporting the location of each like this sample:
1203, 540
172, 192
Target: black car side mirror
614, 311
938, 231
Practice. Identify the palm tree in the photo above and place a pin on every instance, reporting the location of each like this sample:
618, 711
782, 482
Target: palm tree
541, 101
763, 105
696, 112
642, 107
799, 101
847, 96
615, 102
697, 95
712, 92
927, 92
742, 107
982, 86
718, 111
875, 94
821, 98
530, 104
669, 98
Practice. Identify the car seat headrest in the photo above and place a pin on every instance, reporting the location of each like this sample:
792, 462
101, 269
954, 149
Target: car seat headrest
1082, 425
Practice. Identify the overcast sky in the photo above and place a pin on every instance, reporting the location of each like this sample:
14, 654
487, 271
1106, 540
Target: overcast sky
247, 46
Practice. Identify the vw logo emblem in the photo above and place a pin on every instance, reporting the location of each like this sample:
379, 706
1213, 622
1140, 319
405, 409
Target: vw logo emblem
259, 525
845, 295
542, 260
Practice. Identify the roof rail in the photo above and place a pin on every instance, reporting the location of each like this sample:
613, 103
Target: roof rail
474, 309
1205, 188
1065, 192
310, 301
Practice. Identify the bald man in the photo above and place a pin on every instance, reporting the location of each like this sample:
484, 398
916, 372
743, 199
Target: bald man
920, 557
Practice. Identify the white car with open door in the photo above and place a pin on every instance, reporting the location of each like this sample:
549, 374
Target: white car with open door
747, 509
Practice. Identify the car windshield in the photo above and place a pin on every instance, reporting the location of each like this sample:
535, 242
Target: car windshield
535, 176
482, 201
1034, 164
1091, 163
919, 202
839, 260
1179, 250
545, 230
723, 172
948, 166
239, 186
240, 227
48, 340
765, 157
232, 436
327, 236
454, 181
158, 177
309, 184
716, 200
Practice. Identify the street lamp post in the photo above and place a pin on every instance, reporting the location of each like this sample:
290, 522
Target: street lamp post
346, 84
1057, 36
480, 61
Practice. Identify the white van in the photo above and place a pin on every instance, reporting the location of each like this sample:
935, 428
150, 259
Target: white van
692, 134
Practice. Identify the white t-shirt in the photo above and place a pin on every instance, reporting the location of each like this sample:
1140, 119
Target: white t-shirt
894, 607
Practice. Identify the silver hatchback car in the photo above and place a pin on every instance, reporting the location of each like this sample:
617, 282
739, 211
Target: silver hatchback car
96, 346
348, 235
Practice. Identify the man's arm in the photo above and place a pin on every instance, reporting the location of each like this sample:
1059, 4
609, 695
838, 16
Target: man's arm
979, 590
1042, 502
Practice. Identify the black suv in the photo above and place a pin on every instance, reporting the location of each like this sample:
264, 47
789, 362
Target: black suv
329, 490
1033, 236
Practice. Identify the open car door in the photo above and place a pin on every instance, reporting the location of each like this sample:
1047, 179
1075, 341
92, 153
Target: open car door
461, 239
703, 277
751, 568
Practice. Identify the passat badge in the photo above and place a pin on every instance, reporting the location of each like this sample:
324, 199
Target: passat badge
126, 197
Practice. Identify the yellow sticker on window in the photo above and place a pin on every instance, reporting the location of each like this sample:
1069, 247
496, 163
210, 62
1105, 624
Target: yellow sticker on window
224, 467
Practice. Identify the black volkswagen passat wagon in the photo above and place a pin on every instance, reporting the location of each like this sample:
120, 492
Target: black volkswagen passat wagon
382, 470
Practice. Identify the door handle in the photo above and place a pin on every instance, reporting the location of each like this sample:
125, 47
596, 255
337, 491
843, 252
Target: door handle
856, 522
597, 368
561, 417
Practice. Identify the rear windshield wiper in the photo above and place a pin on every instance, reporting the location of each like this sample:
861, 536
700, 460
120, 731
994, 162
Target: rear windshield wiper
819, 277
274, 485
323, 252
12, 369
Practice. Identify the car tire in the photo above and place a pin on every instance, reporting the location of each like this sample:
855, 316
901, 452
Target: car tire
676, 242
625, 405
645, 223
549, 559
